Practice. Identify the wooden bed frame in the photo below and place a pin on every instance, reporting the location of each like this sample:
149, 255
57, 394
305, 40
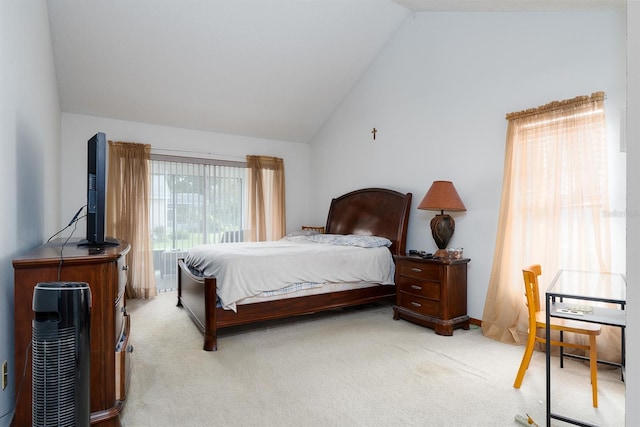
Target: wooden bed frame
371, 211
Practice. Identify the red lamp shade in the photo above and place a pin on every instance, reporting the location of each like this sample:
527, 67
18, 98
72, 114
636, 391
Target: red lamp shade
442, 196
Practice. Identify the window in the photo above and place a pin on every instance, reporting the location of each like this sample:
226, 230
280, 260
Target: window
193, 201
553, 212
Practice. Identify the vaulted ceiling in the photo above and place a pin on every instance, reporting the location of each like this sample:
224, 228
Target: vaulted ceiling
273, 69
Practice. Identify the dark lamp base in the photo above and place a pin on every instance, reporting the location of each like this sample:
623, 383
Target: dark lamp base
442, 228
441, 253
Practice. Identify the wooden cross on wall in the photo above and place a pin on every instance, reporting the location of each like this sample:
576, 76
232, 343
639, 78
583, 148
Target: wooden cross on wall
374, 131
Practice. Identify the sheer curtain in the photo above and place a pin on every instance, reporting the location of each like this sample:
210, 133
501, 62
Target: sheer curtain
128, 197
266, 207
553, 209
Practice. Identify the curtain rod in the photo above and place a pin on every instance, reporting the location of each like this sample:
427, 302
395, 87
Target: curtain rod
189, 153
556, 105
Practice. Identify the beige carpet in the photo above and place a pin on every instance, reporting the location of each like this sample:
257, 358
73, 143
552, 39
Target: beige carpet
350, 368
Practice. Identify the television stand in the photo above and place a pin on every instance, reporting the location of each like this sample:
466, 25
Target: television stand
110, 329
97, 246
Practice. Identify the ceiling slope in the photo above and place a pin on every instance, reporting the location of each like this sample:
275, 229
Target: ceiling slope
273, 69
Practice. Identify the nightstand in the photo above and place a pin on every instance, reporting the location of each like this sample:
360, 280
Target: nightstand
432, 292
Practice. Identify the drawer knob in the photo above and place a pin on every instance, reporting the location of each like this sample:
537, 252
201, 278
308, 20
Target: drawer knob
416, 270
129, 348
416, 287
125, 267
416, 304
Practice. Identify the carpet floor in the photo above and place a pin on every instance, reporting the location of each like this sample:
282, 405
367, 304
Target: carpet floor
355, 367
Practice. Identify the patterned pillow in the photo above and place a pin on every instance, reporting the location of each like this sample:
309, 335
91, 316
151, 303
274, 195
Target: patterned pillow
351, 240
302, 233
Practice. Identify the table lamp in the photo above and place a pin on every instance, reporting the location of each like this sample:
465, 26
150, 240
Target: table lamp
442, 196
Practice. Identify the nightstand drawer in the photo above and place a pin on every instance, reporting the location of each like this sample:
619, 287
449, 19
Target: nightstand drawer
419, 270
418, 304
422, 288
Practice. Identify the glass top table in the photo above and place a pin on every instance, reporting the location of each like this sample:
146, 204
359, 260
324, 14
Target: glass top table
587, 296
579, 295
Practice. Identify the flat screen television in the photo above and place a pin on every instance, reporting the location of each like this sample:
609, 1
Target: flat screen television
96, 192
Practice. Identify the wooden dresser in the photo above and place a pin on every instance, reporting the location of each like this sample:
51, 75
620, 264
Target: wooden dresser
432, 292
105, 270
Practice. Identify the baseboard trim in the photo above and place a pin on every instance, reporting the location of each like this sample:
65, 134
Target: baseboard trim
476, 322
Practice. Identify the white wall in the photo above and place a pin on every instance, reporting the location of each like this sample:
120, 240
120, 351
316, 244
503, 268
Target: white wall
77, 129
29, 161
438, 95
633, 213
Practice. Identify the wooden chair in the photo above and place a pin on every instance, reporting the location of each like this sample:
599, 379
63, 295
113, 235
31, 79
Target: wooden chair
537, 319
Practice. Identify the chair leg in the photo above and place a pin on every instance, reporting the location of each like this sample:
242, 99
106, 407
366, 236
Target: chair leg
524, 365
593, 365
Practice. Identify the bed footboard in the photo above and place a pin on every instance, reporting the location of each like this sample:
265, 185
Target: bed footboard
197, 295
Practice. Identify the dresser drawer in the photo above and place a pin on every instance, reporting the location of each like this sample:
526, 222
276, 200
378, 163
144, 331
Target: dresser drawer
123, 270
419, 270
121, 298
422, 288
418, 304
123, 356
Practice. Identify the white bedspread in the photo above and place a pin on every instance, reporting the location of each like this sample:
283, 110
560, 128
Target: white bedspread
247, 269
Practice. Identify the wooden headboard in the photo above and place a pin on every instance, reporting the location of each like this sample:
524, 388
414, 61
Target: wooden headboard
372, 212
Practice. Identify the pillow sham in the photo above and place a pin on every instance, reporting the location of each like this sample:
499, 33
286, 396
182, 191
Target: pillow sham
301, 233
351, 240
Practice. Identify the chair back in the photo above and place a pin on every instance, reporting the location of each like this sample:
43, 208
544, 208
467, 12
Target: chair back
532, 291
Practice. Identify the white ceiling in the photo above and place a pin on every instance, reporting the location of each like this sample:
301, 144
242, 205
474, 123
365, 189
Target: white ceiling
272, 69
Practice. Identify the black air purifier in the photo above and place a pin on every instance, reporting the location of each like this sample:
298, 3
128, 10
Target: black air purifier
61, 354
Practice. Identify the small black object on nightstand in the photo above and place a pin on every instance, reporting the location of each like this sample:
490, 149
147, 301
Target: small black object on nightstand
421, 254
